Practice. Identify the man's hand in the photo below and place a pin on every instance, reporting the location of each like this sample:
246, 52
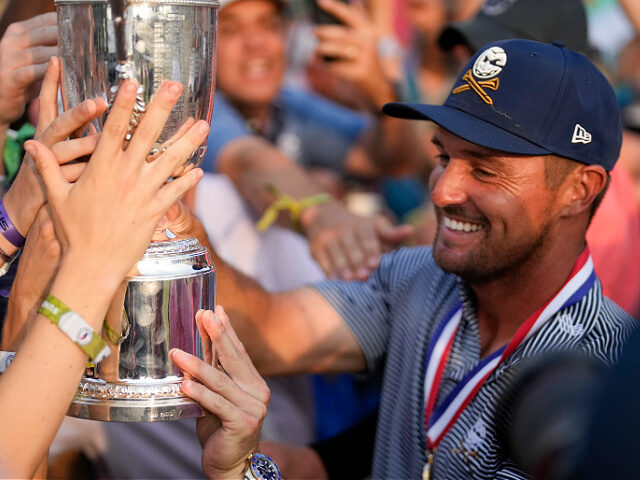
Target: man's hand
25, 197
38, 264
354, 48
348, 246
25, 49
231, 389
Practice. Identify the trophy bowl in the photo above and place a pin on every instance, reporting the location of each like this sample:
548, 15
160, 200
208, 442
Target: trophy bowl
153, 40
153, 312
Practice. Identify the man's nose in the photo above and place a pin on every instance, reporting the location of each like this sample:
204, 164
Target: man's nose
253, 38
449, 185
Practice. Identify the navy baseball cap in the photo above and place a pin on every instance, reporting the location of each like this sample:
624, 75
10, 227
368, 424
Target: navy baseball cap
531, 98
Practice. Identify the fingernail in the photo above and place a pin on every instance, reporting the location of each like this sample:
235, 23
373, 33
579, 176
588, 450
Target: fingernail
178, 354
362, 272
202, 127
373, 262
186, 383
347, 275
129, 86
30, 148
175, 89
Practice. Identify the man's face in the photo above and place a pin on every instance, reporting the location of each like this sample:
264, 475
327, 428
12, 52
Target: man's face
251, 52
494, 209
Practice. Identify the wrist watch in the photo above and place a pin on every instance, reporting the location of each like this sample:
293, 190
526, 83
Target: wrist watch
261, 467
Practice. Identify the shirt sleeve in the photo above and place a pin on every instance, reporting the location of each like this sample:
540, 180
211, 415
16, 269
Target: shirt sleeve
368, 307
227, 124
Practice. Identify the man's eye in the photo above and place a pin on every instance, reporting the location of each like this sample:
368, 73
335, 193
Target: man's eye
481, 172
442, 159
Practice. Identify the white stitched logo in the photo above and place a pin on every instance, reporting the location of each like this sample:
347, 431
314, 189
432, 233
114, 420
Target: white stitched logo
489, 63
565, 322
497, 7
580, 135
475, 435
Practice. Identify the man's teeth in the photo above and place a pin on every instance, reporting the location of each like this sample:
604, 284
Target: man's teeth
257, 67
457, 226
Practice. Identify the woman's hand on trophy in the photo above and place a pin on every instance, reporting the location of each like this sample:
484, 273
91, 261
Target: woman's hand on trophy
231, 389
26, 196
110, 213
38, 264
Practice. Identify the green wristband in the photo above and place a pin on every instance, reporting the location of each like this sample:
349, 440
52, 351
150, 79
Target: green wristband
76, 328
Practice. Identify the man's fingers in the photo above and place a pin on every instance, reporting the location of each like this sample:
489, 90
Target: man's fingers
117, 124
154, 119
48, 168
72, 172
224, 318
48, 108
173, 190
75, 148
173, 159
393, 234
226, 411
236, 364
345, 13
71, 120
339, 259
222, 391
355, 253
38, 30
207, 347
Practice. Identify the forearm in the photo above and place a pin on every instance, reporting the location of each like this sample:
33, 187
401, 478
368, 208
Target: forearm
37, 389
252, 164
286, 333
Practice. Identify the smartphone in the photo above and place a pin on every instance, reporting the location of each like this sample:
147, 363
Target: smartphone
320, 16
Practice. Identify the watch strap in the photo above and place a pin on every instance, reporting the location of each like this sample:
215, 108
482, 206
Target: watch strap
76, 328
5, 360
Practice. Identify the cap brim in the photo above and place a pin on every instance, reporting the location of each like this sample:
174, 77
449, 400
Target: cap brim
475, 33
465, 126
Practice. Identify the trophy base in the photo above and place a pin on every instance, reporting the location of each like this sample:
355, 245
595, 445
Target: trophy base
132, 402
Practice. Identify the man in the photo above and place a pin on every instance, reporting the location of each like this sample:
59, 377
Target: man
525, 139
269, 134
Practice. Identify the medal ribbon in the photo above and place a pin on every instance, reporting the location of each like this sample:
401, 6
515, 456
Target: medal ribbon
439, 419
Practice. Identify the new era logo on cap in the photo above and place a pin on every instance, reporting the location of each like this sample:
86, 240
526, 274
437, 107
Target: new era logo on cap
526, 97
580, 135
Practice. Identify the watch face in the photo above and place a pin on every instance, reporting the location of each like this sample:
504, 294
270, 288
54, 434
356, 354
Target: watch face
263, 468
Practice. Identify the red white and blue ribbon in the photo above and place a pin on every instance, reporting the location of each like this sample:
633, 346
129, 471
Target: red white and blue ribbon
440, 418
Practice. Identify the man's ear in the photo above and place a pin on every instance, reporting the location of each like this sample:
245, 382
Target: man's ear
583, 186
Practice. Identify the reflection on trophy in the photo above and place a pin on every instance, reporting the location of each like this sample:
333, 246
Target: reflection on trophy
101, 43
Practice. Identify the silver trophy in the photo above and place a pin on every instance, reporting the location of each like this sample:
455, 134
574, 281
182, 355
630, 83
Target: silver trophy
101, 43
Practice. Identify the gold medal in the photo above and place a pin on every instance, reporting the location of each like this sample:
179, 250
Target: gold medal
427, 470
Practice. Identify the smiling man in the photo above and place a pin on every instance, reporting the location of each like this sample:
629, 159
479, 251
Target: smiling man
526, 139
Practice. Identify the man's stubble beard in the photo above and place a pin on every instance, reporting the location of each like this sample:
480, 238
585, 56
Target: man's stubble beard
494, 262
